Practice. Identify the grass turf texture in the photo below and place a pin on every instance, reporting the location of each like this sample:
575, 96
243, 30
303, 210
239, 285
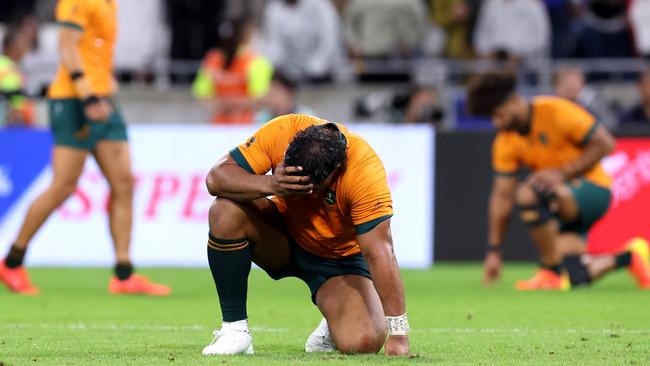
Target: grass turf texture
454, 319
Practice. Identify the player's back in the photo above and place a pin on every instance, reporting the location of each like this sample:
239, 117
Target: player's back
97, 20
325, 223
559, 131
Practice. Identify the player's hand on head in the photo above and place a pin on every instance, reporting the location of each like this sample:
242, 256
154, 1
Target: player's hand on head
98, 111
287, 180
396, 346
492, 267
546, 180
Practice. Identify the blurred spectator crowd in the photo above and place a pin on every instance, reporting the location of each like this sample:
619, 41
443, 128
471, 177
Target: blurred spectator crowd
246, 59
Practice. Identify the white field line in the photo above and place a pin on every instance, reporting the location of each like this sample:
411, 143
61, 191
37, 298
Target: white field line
118, 327
260, 329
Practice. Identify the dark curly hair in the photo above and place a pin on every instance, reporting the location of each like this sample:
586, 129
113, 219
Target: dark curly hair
486, 92
319, 150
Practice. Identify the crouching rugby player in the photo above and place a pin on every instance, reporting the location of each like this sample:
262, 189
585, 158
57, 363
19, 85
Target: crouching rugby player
323, 215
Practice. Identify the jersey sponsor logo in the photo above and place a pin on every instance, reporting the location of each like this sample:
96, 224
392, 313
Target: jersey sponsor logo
250, 141
58, 108
543, 139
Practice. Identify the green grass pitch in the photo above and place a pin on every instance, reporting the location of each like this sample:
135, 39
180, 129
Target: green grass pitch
454, 321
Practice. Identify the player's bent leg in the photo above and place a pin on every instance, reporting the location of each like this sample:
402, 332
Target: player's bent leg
239, 234
534, 211
571, 243
354, 314
635, 257
580, 205
564, 204
67, 165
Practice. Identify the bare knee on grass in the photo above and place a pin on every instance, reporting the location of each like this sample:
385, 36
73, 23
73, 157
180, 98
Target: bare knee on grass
354, 314
369, 342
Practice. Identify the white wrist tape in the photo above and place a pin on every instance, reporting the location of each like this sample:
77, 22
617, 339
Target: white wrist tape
398, 325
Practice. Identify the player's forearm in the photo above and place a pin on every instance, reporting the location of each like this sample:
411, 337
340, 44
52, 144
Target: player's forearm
386, 278
499, 214
71, 60
601, 145
233, 182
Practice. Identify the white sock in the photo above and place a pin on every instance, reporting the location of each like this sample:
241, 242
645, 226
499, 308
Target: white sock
239, 325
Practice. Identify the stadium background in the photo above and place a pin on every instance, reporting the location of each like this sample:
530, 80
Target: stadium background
440, 192
439, 171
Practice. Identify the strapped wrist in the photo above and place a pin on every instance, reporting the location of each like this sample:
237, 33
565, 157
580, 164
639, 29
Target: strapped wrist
91, 99
398, 325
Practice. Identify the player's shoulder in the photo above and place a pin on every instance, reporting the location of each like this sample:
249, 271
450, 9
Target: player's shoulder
289, 124
293, 119
360, 152
508, 143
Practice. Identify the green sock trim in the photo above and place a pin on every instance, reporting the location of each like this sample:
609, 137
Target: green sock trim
225, 241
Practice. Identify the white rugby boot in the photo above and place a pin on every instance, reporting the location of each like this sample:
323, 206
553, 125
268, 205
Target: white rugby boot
320, 340
233, 339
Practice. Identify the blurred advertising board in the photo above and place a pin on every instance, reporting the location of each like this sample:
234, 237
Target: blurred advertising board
171, 202
629, 213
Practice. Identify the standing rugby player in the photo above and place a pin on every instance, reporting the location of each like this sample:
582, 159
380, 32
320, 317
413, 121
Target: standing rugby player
85, 119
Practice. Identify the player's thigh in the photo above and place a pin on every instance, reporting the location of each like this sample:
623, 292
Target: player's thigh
354, 313
582, 202
259, 222
114, 159
67, 165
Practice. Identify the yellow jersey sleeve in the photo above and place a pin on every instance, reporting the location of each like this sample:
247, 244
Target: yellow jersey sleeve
504, 157
367, 193
73, 13
256, 154
574, 121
